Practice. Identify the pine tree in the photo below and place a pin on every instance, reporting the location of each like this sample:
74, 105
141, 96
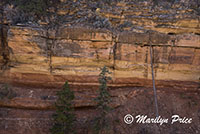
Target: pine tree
103, 101
64, 117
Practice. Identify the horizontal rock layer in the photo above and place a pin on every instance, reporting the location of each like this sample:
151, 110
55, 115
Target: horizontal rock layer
78, 53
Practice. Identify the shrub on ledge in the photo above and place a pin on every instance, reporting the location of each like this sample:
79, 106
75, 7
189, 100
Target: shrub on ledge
6, 91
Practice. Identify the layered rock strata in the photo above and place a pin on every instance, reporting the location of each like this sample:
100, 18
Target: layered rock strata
36, 65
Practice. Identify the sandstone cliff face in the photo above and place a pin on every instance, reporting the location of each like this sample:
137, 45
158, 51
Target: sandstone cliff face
37, 65
81, 52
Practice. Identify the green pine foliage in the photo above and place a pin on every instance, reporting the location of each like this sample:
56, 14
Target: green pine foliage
64, 117
104, 97
103, 101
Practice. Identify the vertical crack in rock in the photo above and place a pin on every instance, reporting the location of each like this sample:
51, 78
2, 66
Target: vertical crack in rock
51, 51
50, 56
114, 37
170, 54
193, 57
4, 49
97, 55
50, 44
154, 60
48, 49
147, 66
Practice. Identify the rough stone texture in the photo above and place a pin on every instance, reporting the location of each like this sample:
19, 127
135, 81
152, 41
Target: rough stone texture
77, 57
130, 100
81, 52
37, 65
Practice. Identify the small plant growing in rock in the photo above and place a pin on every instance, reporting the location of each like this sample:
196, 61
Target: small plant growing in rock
64, 117
103, 101
6, 91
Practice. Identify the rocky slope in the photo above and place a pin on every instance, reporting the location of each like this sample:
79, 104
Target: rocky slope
119, 36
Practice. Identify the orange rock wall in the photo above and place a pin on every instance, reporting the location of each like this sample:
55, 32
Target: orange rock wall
80, 52
36, 64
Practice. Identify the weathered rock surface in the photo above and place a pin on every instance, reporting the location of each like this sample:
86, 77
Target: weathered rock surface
37, 65
81, 52
131, 100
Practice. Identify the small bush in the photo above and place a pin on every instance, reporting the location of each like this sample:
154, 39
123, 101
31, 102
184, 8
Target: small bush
6, 91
